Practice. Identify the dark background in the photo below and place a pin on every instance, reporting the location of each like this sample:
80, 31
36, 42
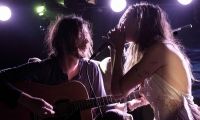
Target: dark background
22, 37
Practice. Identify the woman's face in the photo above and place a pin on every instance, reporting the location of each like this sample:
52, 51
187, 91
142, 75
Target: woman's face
130, 27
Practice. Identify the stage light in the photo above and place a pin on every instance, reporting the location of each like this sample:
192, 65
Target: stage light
40, 10
184, 2
61, 2
118, 5
5, 13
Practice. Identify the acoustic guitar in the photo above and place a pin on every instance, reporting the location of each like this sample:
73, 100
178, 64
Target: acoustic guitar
70, 100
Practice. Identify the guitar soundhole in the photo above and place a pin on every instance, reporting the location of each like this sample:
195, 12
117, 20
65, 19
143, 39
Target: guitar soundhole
66, 111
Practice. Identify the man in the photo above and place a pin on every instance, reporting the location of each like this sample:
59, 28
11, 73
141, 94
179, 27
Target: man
70, 45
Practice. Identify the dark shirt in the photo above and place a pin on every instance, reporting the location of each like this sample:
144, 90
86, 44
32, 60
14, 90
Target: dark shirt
48, 72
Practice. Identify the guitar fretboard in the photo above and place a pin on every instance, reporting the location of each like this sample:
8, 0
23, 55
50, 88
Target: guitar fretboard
102, 101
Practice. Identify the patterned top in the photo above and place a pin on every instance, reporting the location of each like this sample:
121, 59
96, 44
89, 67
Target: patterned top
167, 102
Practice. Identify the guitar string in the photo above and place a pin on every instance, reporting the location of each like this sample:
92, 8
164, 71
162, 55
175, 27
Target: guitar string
93, 89
105, 100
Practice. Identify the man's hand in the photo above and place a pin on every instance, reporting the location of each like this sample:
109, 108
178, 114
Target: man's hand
36, 105
135, 103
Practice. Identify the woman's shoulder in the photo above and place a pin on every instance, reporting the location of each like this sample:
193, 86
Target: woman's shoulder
158, 46
174, 50
167, 53
156, 50
162, 53
164, 48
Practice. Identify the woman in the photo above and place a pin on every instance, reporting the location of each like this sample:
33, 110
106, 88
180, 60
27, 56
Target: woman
155, 61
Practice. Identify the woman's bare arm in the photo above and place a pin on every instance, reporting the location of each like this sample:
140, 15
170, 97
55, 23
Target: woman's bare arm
152, 60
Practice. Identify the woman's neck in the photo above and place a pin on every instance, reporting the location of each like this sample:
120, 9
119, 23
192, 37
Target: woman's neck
70, 66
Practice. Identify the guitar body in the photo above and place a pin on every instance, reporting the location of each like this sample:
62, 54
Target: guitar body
71, 91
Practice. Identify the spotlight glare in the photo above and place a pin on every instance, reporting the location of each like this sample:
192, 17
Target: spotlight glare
40, 10
184, 2
118, 5
5, 13
61, 2
41, 14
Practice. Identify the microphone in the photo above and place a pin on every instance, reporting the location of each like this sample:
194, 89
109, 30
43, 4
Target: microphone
101, 48
175, 31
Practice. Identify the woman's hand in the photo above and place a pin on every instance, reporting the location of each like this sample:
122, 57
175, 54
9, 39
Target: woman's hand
117, 38
36, 105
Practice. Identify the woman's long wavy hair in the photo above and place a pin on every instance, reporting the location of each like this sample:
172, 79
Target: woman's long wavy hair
151, 26
69, 35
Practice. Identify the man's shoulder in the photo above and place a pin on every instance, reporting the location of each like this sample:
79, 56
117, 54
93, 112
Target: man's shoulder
91, 62
41, 63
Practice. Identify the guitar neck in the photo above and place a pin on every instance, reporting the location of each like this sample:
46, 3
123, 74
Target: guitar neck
102, 101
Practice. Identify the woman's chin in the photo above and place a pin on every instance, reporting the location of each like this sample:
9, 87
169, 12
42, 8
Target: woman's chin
129, 40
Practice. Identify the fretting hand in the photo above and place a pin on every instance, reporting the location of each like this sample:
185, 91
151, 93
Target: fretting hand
135, 103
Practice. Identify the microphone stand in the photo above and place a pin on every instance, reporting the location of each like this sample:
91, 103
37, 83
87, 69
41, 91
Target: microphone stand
175, 31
